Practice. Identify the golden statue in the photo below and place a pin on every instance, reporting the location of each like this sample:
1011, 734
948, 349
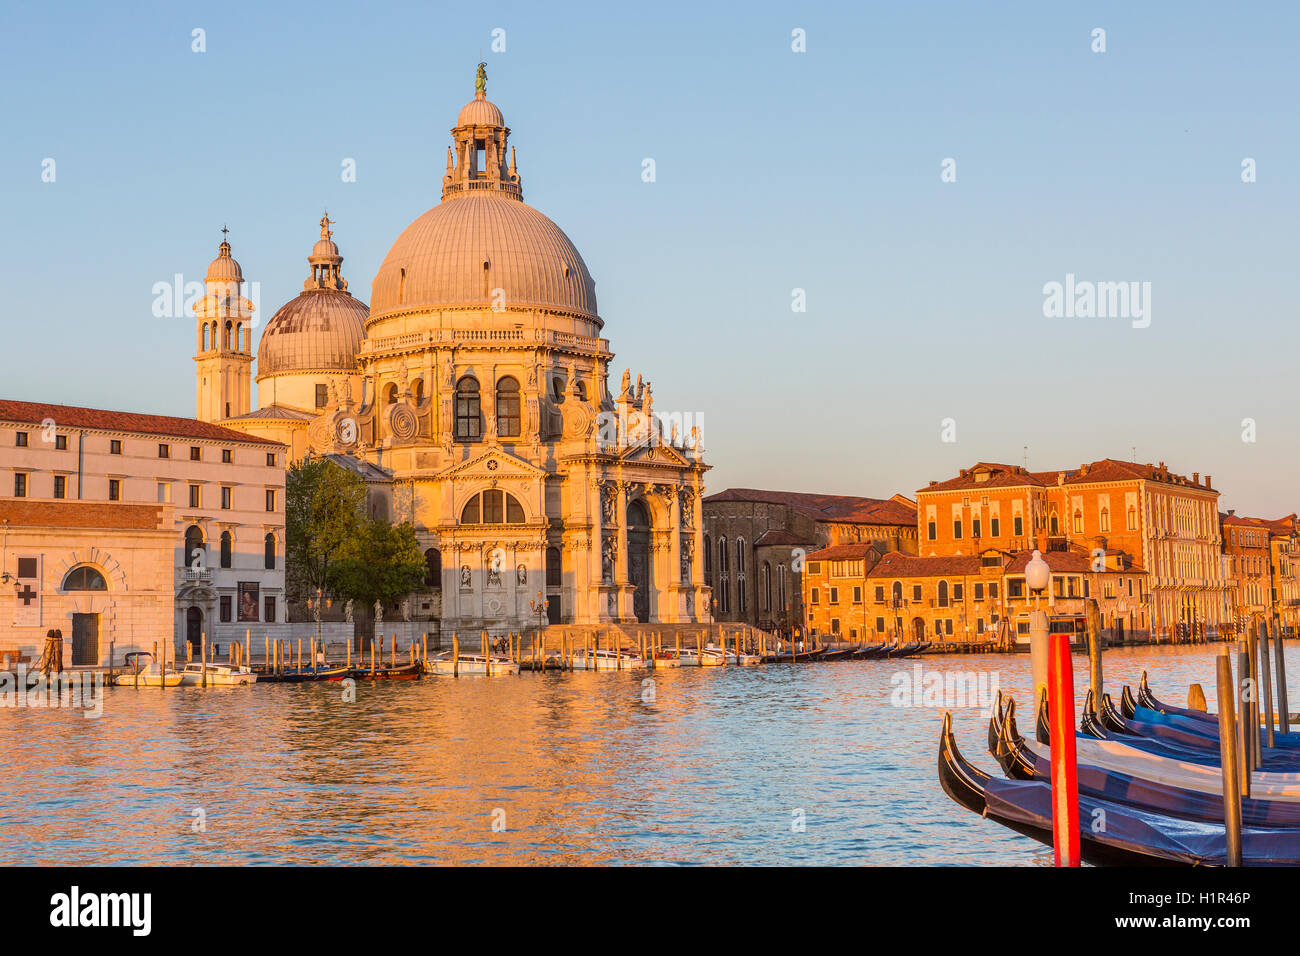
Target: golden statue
480, 79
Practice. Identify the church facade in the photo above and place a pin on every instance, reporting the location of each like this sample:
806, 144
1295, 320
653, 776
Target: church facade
478, 379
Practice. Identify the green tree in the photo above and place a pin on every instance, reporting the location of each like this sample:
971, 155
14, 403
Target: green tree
381, 563
324, 513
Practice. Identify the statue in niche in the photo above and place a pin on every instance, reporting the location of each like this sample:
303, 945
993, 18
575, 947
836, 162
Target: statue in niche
521, 575
466, 579
608, 556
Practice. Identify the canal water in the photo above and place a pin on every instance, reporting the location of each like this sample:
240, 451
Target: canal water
796, 764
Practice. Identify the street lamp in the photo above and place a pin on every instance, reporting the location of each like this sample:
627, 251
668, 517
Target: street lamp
315, 608
539, 607
1037, 574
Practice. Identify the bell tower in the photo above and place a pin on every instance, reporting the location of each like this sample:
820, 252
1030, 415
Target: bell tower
224, 322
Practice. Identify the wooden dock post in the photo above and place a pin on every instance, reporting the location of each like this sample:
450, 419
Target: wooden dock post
1246, 760
1065, 770
372, 653
203, 658
699, 651
248, 649
1092, 621
1228, 756
1252, 648
455, 654
424, 650
1196, 698
1266, 672
266, 652
678, 637
1283, 714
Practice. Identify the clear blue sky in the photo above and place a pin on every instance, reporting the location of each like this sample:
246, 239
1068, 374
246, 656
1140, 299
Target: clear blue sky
776, 171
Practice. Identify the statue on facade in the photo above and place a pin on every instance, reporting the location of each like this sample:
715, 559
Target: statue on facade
609, 555
406, 610
347, 611
686, 507
379, 616
521, 575
466, 581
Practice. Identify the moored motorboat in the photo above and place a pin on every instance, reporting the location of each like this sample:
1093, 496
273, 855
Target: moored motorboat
392, 672
217, 675
605, 660
144, 673
470, 664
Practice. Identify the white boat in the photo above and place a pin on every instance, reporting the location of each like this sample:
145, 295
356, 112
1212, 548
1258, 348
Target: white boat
470, 664
745, 660
605, 660
707, 657
219, 675
141, 674
147, 678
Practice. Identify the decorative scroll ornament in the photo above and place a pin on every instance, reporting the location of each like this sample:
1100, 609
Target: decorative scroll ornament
403, 423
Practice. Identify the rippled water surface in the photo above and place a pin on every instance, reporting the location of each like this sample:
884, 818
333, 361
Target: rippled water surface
580, 770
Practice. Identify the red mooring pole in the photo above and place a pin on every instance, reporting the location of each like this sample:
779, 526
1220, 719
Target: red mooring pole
1065, 768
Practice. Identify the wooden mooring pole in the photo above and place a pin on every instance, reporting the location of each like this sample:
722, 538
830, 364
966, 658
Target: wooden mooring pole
1266, 672
1283, 713
1228, 756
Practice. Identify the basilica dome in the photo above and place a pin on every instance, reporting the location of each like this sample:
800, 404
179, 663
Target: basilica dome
224, 268
322, 328
483, 247
459, 252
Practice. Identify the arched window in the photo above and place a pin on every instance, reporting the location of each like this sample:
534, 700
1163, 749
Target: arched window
230, 328
1105, 519
84, 578
897, 592
581, 391
740, 555
724, 564
193, 542
469, 413
708, 561
227, 549
207, 341
390, 394
557, 390
767, 588
417, 391
433, 569
1078, 521
1055, 525
943, 594
492, 507
554, 570
269, 548
508, 408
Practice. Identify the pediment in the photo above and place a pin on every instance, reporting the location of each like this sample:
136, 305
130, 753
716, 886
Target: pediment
654, 453
494, 463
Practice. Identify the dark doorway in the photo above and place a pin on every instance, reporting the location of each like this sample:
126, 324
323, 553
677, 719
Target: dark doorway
918, 629
553, 609
194, 630
638, 558
85, 640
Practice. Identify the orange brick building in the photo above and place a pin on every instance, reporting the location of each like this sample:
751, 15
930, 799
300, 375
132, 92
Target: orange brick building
1167, 522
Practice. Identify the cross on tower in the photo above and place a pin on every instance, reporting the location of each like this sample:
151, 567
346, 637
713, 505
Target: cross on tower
224, 232
27, 595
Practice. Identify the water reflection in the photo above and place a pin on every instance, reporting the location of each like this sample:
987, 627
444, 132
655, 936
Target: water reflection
718, 769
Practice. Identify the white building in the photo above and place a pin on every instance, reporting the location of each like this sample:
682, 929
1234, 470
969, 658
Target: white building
129, 528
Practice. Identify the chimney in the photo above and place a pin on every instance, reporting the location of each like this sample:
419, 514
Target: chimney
1196, 477
1232, 512
1209, 483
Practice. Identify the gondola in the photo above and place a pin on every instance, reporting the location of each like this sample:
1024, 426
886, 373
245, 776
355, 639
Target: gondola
1111, 720
1042, 727
837, 654
1163, 797
906, 650
1127, 705
1089, 723
876, 651
1132, 836
789, 657
995, 724
397, 672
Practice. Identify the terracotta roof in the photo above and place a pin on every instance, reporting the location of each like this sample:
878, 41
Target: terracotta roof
898, 565
994, 476
99, 419
1245, 522
1064, 562
1105, 469
79, 514
845, 508
844, 552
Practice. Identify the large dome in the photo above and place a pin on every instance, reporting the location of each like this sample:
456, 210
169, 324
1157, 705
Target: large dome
460, 251
321, 329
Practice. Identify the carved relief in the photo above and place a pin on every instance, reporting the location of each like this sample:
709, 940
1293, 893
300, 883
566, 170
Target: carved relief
686, 506
609, 555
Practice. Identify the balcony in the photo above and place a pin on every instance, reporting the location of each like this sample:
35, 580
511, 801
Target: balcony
196, 575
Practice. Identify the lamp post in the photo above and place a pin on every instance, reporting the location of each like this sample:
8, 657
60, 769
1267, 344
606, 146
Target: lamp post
315, 608
539, 607
1037, 574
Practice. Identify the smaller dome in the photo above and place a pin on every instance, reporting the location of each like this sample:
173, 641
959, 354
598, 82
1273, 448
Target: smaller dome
480, 111
319, 330
324, 249
224, 268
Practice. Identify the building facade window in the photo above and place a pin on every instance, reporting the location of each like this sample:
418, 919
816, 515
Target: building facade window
433, 569
194, 496
114, 489
20, 439
114, 446
164, 450
469, 412
227, 497
493, 506
60, 486
196, 453
508, 408
270, 499
268, 544
227, 549
61, 442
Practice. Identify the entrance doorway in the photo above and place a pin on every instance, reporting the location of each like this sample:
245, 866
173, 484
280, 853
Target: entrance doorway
918, 629
638, 558
85, 640
194, 630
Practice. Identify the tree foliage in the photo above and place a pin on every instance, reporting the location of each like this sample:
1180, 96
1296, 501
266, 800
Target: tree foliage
333, 545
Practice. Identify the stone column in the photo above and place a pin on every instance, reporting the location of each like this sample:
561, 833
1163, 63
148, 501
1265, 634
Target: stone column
620, 563
697, 531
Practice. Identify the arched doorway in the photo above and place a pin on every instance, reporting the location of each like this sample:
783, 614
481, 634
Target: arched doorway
194, 630
918, 629
638, 558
